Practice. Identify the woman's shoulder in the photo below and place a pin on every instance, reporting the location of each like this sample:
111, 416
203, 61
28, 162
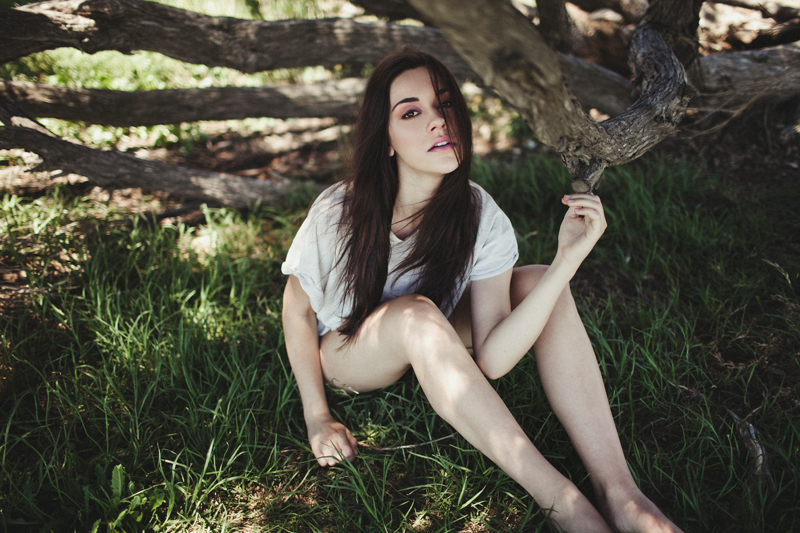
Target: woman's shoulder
478, 188
333, 195
488, 206
328, 204
496, 244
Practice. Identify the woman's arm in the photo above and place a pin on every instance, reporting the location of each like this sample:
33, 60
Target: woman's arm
328, 438
501, 337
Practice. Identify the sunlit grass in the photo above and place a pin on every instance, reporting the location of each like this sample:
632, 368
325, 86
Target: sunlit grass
145, 384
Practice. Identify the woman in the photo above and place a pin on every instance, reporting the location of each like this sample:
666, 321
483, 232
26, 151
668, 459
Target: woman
402, 260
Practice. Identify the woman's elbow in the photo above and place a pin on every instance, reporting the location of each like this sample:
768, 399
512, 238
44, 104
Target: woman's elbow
490, 368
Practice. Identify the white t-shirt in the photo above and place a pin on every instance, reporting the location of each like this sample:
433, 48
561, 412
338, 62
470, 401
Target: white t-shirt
316, 249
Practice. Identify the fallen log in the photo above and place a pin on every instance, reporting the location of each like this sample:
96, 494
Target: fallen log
736, 80
336, 99
115, 170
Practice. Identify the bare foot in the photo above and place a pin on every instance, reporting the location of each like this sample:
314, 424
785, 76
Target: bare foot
630, 511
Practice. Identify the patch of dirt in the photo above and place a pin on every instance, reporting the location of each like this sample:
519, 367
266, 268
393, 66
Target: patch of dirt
304, 149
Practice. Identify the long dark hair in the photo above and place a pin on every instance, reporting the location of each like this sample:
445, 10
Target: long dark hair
448, 227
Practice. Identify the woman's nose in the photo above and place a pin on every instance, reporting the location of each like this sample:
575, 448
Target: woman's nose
437, 122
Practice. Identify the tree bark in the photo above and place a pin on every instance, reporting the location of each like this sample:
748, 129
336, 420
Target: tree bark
609, 93
601, 40
677, 21
510, 55
336, 99
556, 26
596, 87
115, 170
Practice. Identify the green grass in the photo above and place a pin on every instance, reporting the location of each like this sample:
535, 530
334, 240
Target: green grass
145, 383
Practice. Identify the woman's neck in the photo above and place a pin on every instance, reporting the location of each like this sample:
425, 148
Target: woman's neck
413, 195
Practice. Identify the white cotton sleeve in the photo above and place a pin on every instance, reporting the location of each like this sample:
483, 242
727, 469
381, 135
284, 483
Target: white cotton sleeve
496, 246
312, 258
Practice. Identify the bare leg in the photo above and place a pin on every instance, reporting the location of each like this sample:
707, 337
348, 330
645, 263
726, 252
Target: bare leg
573, 384
411, 331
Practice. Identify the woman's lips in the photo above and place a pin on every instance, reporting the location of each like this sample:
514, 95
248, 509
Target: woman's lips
441, 144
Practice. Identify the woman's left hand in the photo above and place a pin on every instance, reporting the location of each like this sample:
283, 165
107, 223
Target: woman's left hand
582, 227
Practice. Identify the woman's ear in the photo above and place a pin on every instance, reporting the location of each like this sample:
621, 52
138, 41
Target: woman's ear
391, 152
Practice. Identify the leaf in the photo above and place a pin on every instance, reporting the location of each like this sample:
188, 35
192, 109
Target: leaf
117, 478
156, 499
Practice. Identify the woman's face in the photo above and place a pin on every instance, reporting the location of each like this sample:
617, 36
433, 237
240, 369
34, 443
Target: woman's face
417, 131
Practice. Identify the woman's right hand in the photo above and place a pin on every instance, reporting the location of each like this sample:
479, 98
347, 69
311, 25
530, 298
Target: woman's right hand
330, 440
584, 223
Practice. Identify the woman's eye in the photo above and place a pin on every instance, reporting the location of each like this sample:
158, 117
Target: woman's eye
447, 103
409, 114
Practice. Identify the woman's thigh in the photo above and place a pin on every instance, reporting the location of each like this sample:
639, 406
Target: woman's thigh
380, 354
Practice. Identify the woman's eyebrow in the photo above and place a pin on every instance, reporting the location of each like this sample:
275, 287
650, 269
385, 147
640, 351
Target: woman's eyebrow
415, 99
406, 100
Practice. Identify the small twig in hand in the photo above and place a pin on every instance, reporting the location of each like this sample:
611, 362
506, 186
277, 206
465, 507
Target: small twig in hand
406, 447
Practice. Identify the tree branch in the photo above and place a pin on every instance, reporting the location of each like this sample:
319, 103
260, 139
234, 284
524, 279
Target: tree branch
555, 25
677, 22
337, 99
507, 51
245, 45
783, 33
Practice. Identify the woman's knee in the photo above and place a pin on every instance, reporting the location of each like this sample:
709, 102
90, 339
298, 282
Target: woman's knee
413, 311
523, 280
418, 321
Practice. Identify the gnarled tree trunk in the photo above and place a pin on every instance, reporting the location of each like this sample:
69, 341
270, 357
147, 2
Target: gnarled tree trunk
511, 55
